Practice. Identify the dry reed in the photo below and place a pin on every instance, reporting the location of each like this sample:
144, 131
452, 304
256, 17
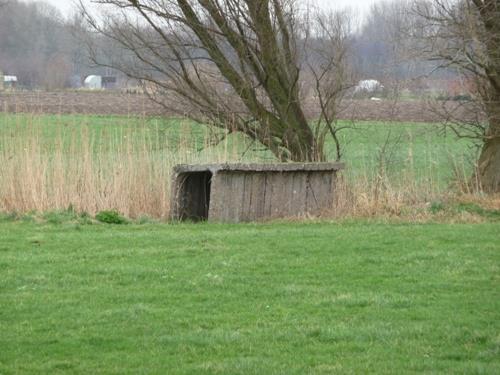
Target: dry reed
126, 170
129, 171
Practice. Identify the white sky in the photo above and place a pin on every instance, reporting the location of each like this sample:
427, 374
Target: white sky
360, 5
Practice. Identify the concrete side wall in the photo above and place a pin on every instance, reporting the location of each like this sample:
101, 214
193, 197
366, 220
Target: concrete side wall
239, 196
175, 199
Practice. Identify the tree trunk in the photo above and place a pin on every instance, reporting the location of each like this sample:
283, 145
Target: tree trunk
291, 148
489, 166
298, 137
489, 161
301, 150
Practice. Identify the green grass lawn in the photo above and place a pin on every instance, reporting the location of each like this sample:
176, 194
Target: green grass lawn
282, 298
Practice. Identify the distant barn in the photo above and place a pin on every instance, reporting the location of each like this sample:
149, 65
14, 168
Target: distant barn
368, 86
248, 192
93, 82
9, 82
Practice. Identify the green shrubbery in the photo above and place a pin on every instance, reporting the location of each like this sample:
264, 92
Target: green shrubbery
111, 217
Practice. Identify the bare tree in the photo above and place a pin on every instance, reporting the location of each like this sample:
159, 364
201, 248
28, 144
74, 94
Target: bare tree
327, 49
237, 64
464, 35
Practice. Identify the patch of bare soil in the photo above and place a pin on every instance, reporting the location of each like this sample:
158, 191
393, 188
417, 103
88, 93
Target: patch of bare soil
121, 103
75, 102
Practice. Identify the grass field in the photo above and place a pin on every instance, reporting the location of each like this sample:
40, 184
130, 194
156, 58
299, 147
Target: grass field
96, 163
417, 145
278, 298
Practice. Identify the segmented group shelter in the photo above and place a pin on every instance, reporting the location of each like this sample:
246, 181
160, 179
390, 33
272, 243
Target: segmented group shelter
251, 192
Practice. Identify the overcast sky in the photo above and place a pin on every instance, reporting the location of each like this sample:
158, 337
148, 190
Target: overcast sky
362, 5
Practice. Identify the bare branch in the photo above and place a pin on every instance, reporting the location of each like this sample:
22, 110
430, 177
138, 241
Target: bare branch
233, 63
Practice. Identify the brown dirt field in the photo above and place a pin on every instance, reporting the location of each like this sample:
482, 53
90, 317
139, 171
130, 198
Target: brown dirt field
76, 102
119, 103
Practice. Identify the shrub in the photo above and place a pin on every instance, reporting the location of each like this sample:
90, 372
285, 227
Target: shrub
110, 217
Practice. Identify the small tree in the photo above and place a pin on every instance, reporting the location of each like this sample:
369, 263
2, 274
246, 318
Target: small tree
236, 64
464, 35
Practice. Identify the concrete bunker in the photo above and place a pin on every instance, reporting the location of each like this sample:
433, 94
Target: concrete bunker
249, 192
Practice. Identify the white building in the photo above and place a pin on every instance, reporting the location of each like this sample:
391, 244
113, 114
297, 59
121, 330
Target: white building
369, 86
9, 81
93, 82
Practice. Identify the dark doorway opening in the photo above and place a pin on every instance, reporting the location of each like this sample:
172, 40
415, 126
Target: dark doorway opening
194, 195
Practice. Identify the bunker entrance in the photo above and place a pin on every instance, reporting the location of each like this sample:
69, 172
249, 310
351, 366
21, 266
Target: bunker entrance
194, 195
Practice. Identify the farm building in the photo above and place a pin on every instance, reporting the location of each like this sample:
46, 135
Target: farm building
368, 86
93, 82
248, 192
9, 82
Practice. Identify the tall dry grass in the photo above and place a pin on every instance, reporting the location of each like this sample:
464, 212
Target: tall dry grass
129, 170
126, 170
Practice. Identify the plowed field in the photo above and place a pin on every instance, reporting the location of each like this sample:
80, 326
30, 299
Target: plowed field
119, 103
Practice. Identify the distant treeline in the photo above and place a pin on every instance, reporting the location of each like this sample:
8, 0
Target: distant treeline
46, 50
41, 47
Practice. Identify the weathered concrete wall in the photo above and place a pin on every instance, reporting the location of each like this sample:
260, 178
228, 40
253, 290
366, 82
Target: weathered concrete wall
243, 196
249, 192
